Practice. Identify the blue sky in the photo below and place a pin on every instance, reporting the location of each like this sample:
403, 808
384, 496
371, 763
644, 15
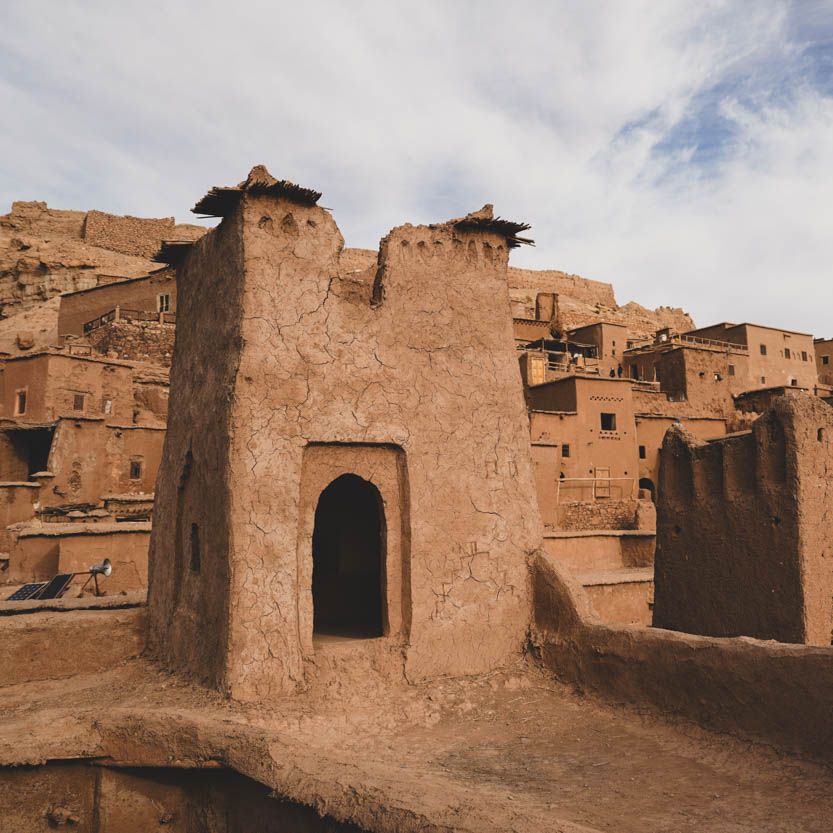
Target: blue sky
682, 151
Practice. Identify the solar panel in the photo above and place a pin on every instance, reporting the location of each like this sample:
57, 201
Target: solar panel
26, 592
56, 586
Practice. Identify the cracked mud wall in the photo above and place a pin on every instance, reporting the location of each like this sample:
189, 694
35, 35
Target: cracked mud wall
429, 369
188, 612
743, 534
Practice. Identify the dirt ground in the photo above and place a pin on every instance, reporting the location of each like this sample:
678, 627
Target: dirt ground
512, 750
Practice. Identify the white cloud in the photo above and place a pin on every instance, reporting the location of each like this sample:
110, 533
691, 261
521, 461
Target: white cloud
568, 115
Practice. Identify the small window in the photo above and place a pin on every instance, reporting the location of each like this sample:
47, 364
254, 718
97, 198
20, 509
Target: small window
787, 353
78, 402
642, 453
804, 355
20, 403
825, 359
106, 405
195, 548
763, 349
763, 380
717, 377
565, 450
164, 303
135, 470
608, 422
731, 370
794, 382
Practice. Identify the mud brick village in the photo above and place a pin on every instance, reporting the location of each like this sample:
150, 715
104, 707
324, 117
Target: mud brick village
297, 536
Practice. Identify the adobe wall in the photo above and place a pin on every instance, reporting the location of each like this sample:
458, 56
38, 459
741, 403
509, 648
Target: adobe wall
52, 381
741, 542
39, 552
766, 691
79, 308
14, 464
823, 350
90, 458
149, 341
54, 644
594, 550
650, 431
16, 504
126, 547
429, 371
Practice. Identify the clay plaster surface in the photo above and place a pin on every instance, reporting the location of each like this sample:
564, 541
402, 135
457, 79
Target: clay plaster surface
510, 750
429, 369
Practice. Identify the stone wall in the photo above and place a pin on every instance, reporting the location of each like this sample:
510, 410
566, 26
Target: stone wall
562, 283
150, 341
607, 514
128, 235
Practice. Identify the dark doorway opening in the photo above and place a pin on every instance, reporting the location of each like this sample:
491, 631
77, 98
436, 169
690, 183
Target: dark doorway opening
348, 545
31, 448
648, 484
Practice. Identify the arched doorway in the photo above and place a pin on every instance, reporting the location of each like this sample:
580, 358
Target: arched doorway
348, 548
648, 484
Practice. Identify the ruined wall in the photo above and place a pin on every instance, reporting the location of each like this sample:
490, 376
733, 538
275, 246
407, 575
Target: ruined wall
149, 341
429, 371
552, 280
742, 541
134, 235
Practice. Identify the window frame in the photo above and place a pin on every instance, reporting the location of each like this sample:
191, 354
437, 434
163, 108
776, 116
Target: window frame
24, 392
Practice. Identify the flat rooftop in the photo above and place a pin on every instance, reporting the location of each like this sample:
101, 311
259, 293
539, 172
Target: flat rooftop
510, 750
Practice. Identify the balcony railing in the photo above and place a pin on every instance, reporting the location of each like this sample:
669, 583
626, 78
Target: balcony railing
122, 314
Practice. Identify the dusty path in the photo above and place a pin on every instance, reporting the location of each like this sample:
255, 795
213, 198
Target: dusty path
509, 751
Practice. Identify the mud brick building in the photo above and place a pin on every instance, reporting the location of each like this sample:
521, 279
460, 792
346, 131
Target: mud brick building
707, 367
85, 310
823, 350
743, 536
386, 414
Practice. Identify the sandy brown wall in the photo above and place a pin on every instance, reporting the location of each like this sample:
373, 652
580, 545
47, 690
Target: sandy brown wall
78, 308
50, 645
733, 518
765, 691
188, 611
429, 369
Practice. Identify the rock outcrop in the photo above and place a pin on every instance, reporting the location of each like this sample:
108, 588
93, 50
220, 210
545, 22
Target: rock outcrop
45, 251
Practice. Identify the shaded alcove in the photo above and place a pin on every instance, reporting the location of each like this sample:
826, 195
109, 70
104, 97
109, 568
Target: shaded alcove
648, 485
348, 549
